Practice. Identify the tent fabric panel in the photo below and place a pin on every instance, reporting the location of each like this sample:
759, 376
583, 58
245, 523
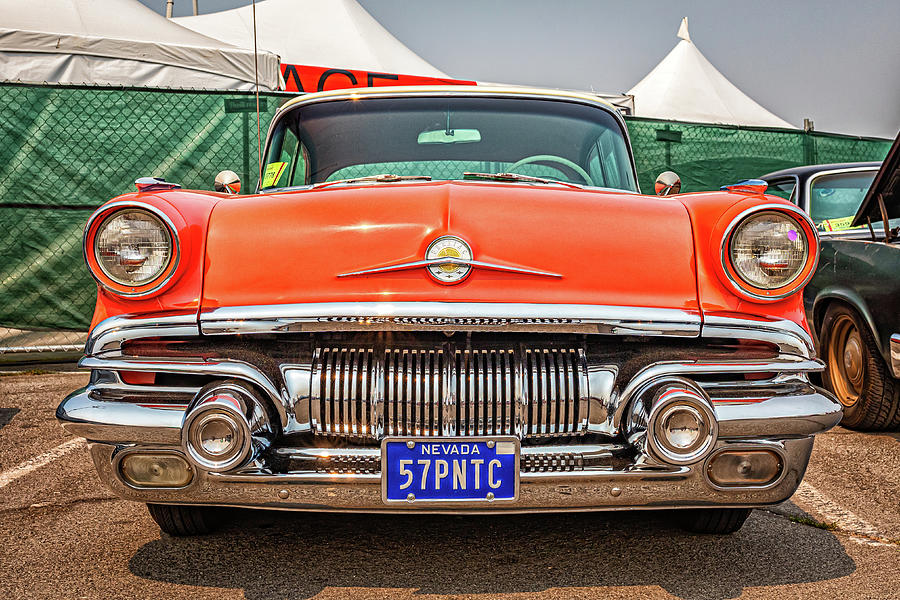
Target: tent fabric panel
339, 33
190, 63
35, 67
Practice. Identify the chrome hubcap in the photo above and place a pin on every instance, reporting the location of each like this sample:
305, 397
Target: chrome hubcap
846, 360
853, 357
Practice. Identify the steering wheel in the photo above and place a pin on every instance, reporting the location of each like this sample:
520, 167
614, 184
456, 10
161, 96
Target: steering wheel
537, 158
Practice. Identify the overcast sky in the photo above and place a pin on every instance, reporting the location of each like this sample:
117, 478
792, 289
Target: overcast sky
834, 61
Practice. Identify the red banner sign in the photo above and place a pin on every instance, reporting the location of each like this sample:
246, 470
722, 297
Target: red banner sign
306, 78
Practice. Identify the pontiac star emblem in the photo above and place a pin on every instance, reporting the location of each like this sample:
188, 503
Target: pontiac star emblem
449, 260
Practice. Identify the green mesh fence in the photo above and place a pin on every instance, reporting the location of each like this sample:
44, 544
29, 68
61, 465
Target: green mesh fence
66, 150
709, 156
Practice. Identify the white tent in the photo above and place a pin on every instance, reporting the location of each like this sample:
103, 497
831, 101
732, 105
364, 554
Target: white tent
119, 42
685, 86
331, 33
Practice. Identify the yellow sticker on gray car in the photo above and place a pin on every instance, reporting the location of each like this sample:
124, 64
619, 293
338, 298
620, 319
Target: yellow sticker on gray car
273, 173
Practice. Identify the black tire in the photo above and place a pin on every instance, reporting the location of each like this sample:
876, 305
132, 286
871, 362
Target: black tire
183, 520
856, 373
720, 521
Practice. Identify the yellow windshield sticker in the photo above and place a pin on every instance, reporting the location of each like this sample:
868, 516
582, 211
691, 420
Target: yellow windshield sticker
836, 224
273, 173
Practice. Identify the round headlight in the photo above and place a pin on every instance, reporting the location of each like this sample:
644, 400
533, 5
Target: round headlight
768, 250
133, 247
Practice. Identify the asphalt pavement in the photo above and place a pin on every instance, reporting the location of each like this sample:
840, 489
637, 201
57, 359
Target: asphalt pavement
64, 535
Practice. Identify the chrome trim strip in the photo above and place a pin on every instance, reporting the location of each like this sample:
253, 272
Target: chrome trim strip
449, 261
119, 422
480, 316
222, 368
108, 335
783, 364
895, 354
793, 415
790, 337
312, 453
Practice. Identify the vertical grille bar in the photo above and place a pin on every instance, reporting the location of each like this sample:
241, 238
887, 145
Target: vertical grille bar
566, 390
409, 397
378, 399
534, 388
552, 391
450, 395
331, 418
345, 387
315, 391
481, 389
521, 400
509, 423
390, 403
365, 381
473, 393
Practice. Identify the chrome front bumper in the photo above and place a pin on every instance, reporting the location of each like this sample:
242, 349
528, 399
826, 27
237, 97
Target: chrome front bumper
759, 403
634, 489
785, 425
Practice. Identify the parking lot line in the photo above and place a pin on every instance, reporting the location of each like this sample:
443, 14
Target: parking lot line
35, 463
845, 520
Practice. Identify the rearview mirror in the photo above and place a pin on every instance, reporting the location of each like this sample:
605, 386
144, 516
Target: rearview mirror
667, 183
450, 136
228, 182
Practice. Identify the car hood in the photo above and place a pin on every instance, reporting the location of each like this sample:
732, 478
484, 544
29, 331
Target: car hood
607, 248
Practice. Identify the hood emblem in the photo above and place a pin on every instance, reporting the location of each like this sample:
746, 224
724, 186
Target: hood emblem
449, 260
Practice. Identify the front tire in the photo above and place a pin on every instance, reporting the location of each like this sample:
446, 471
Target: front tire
718, 521
183, 520
856, 373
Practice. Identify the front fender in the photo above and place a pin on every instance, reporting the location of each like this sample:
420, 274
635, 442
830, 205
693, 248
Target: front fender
852, 298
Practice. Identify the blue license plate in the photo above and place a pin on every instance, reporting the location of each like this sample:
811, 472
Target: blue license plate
447, 470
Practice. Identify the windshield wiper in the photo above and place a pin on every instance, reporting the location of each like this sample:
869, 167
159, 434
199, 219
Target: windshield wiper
381, 178
515, 177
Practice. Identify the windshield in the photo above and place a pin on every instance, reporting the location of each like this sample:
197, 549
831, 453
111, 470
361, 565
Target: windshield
444, 138
834, 199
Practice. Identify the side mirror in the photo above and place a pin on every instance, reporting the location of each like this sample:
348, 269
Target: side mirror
228, 182
667, 183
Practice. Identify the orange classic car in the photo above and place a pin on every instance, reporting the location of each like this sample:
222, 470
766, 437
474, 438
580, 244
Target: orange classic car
449, 300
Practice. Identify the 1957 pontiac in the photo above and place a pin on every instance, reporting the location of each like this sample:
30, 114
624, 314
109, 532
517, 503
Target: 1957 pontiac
449, 300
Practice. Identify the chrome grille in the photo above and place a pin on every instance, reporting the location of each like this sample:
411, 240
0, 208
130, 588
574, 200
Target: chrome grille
370, 393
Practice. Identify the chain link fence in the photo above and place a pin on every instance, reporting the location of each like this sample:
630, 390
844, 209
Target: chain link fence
66, 150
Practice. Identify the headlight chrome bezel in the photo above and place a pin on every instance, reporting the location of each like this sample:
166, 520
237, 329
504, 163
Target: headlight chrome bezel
89, 249
747, 289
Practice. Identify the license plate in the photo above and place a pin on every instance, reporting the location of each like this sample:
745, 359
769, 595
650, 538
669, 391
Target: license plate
450, 470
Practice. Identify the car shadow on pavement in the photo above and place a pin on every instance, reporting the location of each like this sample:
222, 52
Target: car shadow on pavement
270, 554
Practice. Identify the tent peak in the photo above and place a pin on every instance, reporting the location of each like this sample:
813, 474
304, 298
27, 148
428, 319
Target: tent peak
685, 86
683, 30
